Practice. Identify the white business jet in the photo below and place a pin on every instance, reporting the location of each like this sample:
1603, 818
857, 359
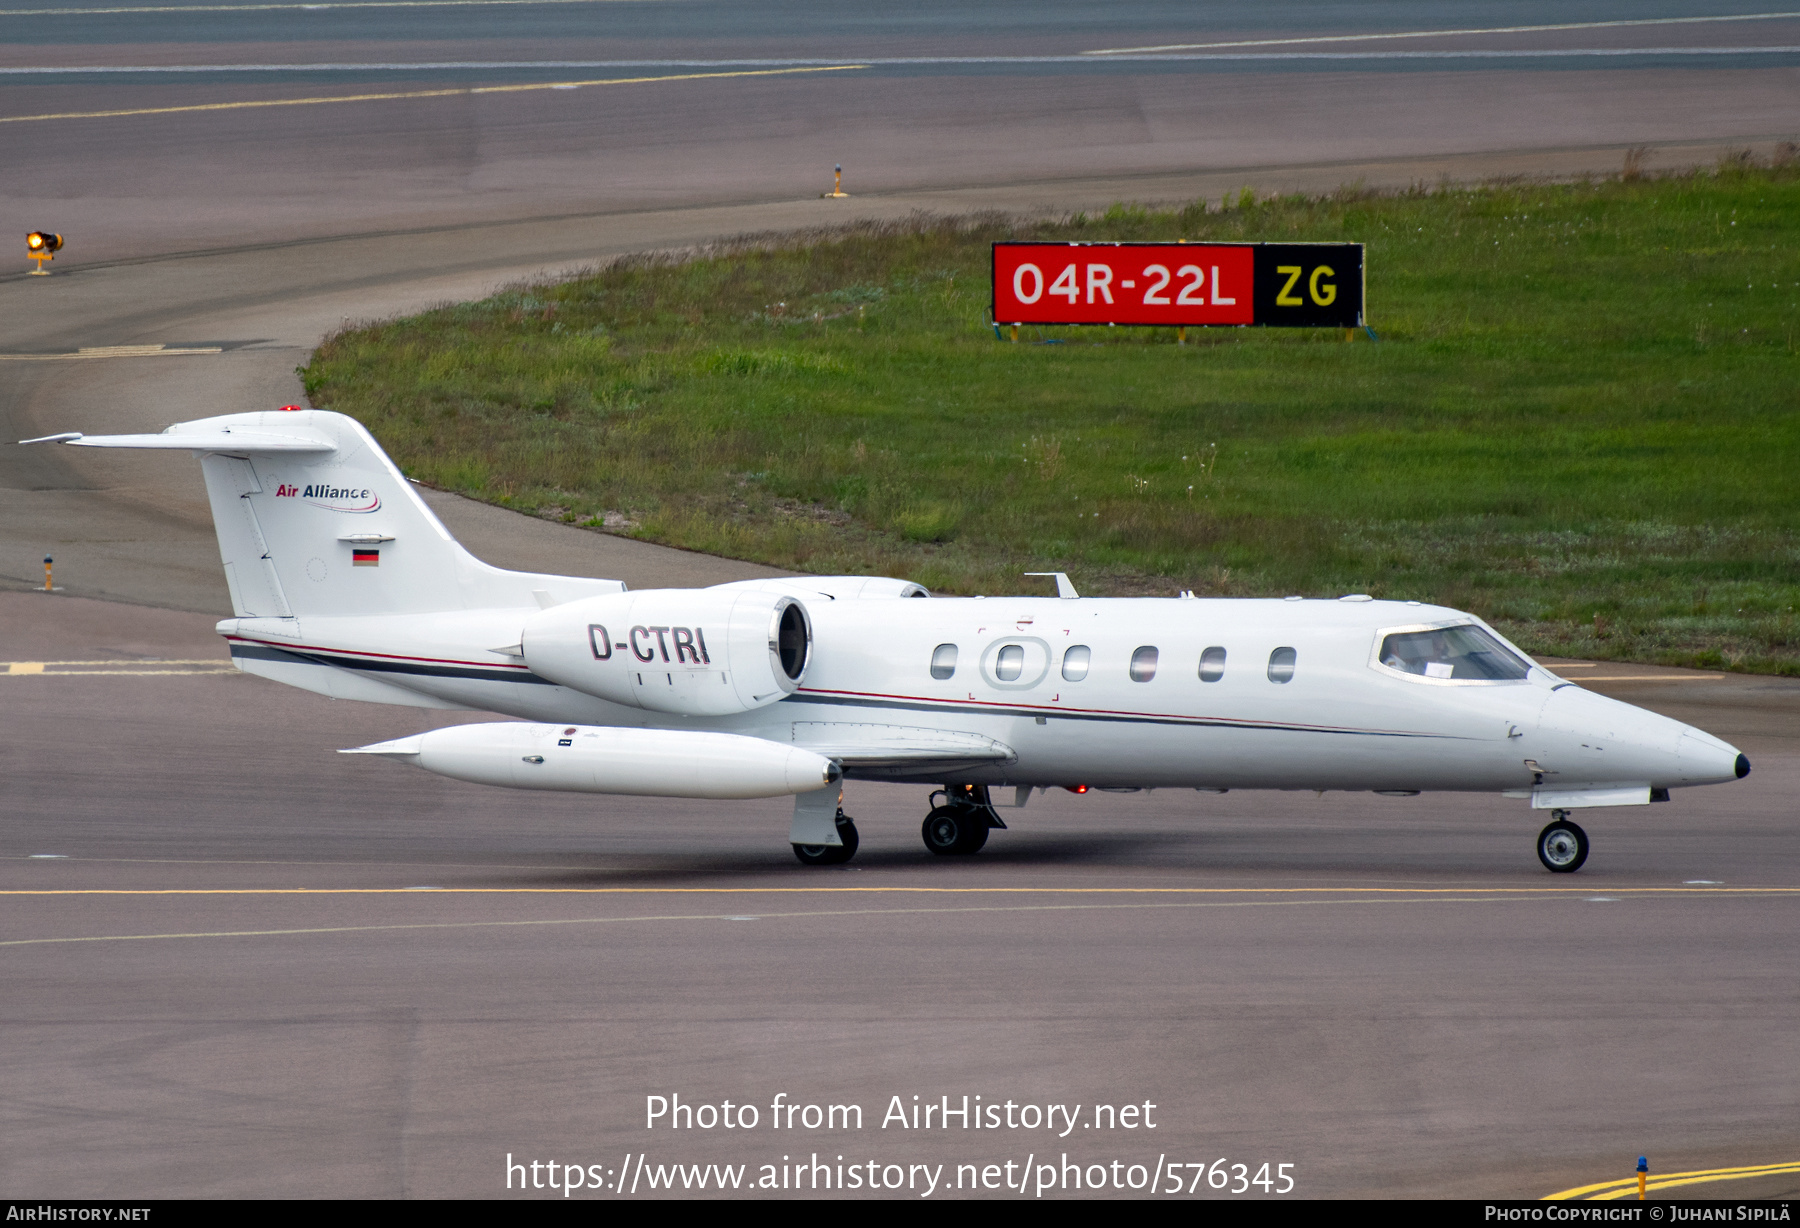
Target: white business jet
345, 583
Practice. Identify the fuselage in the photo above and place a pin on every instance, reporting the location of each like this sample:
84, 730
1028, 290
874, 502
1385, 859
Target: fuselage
1197, 693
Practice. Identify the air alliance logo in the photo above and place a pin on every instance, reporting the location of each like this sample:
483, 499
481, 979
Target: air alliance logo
333, 498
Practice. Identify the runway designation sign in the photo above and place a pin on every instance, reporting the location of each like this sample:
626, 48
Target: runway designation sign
1181, 285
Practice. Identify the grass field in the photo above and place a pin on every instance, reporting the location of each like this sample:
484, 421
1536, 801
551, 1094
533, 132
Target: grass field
1579, 420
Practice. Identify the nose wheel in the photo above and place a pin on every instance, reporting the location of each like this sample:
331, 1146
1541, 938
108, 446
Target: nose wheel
1562, 846
831, 854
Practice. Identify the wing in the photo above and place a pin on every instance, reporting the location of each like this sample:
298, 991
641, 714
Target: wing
898, 746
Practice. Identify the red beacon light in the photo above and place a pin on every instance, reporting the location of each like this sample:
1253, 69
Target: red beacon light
1076, 788
288, 409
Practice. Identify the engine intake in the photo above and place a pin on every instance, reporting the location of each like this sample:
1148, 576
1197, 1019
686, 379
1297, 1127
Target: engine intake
696, 652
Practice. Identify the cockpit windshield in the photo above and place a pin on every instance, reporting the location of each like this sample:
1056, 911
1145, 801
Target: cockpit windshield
1464, 653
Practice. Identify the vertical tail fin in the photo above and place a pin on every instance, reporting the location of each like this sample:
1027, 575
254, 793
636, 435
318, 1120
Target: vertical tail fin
313, 518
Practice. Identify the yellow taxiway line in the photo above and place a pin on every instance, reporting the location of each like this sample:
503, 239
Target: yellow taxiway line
1318, 898
457, 92
115, 351
1368, 38
125, 669
1606, 1191
269, 8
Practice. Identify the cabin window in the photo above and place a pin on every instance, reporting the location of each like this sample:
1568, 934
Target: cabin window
1010, 663
1075, 663
1281, 665
1212, 665
943, 661
1462, 653
1143, 664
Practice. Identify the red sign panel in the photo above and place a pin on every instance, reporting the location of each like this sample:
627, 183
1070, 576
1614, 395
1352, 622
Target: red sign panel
1176, 284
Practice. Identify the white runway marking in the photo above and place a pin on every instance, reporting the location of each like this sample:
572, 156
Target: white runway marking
39, 70
1358, 38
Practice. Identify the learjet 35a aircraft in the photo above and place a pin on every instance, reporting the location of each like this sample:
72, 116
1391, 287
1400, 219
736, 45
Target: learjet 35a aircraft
346, 584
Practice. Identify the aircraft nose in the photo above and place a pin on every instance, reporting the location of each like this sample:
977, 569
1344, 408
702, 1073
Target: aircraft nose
1594, 737
1705, 759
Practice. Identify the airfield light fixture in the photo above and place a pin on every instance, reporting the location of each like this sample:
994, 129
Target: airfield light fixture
41, 245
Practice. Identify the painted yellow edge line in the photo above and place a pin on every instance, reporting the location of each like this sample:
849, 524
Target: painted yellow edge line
1653, 1186
1402, 891
1629, 1184
767, 916
157, 352
264, 8
115, 661
459, 91
134, 674
1650, 677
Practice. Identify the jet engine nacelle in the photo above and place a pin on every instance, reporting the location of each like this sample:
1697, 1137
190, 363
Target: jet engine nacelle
696, 652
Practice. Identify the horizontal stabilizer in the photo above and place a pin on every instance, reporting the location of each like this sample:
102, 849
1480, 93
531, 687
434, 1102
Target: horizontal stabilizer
196, 441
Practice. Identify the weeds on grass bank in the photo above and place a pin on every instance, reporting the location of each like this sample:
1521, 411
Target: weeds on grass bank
1579, 421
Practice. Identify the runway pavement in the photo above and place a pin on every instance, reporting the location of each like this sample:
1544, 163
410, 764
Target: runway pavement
285, 972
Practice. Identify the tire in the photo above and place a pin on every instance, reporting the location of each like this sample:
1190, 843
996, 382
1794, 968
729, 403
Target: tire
1562, 847
953, 831
831, 854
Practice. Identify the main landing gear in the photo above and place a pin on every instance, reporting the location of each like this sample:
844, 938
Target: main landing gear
1562, 846
831, 854
959, 824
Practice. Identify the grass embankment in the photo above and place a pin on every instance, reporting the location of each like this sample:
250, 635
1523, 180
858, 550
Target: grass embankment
1579, 420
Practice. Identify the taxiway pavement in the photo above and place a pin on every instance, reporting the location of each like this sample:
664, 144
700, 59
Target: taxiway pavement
237, 964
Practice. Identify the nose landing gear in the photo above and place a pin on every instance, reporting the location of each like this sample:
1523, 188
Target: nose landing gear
960, 824
1562, 846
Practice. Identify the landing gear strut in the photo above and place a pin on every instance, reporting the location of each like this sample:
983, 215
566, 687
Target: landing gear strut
831, 854
959, 824
1562, 846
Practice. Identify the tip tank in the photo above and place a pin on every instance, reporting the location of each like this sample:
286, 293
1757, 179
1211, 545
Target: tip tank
603, 759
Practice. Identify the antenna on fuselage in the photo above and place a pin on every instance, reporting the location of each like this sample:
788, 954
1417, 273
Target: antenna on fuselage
1064, 589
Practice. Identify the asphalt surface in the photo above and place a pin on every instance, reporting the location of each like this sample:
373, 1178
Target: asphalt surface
1388, 994
261, 996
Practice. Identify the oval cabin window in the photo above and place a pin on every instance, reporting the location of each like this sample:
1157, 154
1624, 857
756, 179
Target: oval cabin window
1143, 664
1212, 665
1010, 663
943, 661
1075, 663
1281, 665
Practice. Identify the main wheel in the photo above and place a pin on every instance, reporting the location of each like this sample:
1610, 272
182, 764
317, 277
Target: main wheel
831, 854
1562, 847
955, 830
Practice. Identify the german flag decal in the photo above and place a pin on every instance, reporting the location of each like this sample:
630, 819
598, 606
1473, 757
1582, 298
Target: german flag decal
365, 558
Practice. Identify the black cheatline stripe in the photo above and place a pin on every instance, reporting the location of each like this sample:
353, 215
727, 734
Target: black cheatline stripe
1202, 722
262, 652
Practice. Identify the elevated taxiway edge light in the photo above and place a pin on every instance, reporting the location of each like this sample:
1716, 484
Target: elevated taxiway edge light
42, 245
